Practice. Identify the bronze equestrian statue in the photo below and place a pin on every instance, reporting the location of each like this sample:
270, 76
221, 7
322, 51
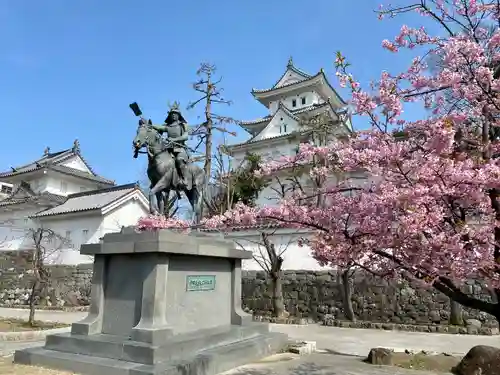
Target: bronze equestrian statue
169, 164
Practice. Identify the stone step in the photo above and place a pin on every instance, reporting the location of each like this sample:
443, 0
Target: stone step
116, 347
208, 362
78, 363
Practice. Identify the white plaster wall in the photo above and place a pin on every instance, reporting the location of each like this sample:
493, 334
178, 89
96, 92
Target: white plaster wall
77, 230
312, 97
273, 192
269, 196
273, 107
280, 124
76, 162
268, 152
289, 78
294, 256
126, 215
13, 228
52, 184
96, 227
15, 234
237, 160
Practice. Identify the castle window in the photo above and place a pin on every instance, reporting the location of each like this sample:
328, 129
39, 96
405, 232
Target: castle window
85, 235
6, 189
275, 154
284, 128
303, 100
64, 187
294, 103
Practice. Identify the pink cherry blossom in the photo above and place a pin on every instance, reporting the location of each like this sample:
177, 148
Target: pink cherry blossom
152, 223
429, 206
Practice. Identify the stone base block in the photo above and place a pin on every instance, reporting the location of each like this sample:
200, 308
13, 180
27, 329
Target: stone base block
303, 348
206, 352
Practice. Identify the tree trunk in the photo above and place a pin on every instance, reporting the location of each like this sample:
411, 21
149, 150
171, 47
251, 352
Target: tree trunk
456, 317
207, 168
448, 287
279, 310
34, 288
274, 271
346, 296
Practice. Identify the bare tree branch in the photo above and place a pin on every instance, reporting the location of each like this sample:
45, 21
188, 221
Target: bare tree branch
212, 94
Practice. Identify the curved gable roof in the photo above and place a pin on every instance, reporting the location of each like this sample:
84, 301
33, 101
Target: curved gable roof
54, 160
321, 74
290, 67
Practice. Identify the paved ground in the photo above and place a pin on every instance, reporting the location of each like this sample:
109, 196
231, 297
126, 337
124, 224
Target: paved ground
340, 340
320, 364
360, 341
8, 348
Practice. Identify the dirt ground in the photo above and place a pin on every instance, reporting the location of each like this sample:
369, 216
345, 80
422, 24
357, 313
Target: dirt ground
16, 325
8, 368
422, 361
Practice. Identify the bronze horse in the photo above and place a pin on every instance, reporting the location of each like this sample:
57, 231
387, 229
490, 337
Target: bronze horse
163, 174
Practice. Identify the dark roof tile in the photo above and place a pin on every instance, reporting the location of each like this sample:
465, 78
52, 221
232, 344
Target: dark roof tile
53, 161
89, 200
321, 73
292, 112
44, 198
293, 68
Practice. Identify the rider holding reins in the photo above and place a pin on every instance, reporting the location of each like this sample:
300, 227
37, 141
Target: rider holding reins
176, 128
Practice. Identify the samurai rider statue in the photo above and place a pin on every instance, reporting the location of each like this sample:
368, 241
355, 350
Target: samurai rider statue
176, 129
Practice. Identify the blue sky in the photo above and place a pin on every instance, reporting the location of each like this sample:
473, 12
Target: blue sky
69, 69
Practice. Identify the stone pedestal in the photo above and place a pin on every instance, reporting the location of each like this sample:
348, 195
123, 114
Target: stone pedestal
162, 303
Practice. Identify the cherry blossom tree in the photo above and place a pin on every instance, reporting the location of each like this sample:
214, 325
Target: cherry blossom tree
270, 257
430, 209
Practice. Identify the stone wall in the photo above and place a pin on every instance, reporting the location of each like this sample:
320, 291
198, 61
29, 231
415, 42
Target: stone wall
69, 285
318, 295
315, 295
